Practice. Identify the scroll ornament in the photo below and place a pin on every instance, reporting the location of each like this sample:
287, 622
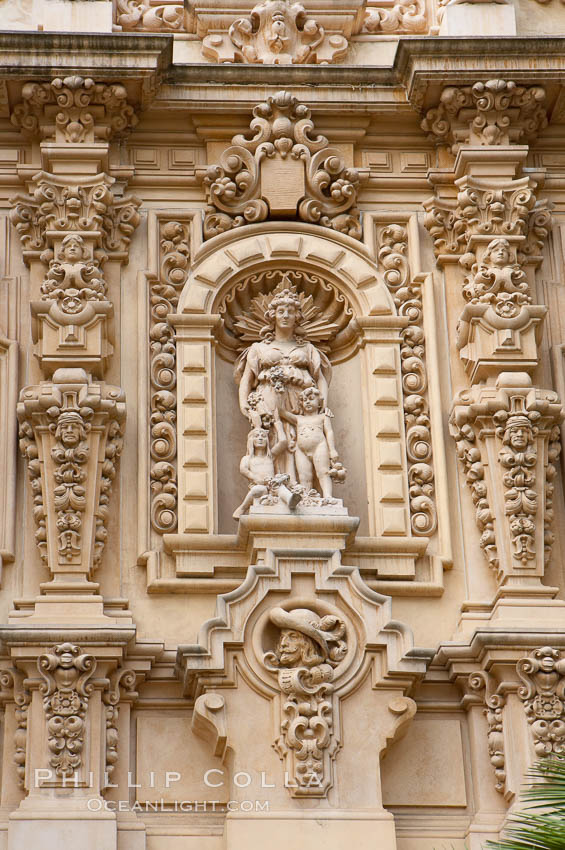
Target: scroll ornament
308, 651
407, 294
66, 671
495, 112
494, 702
145, 15
395, 17
74, 109
72, 428
543, 693
516, 429
164, 296
245, 187
276, 33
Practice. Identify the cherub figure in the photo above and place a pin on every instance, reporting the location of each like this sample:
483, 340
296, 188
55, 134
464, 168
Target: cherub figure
259, 468
315, 444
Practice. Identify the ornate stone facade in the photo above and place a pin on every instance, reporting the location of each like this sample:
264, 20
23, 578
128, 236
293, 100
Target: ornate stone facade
282, 349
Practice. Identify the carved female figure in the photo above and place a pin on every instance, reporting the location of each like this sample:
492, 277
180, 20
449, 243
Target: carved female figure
273, 371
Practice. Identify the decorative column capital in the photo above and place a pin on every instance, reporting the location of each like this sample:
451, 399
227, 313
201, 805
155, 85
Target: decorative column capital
495, 112
74, 110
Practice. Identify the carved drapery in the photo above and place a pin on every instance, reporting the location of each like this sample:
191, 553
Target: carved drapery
174, 245
247, 185
276, 33
407, 294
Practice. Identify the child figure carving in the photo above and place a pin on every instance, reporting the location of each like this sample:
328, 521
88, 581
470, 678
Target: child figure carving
315, 445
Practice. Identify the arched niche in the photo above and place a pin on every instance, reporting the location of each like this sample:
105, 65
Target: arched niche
365, 394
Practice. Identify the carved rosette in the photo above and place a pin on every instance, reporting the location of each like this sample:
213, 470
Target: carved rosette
66, 672
245, 187
507, 440
495, 112
494, 702
164, 295
71, 434
74, 109
306, 655
276, 33
543, 693
407, 294
147, 16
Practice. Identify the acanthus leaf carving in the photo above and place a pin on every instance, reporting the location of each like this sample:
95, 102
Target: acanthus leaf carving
276, 33
164, 296
543, 693
72, 429
66, 672
495, 112
514, 426
73, 110
146, 16
308, 650
407, 294
244, 188
396, 17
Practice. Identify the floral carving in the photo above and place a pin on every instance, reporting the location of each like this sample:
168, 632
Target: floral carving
87, 205
168, 16
493, 712
74, 109
308, 650
516, 429
543, 694
393, 243
71, 427
496, 112
245, 187
388, 17
164, 296
66, 672
276, 33
122, 679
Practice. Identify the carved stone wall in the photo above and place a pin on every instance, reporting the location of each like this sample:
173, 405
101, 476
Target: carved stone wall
282, 549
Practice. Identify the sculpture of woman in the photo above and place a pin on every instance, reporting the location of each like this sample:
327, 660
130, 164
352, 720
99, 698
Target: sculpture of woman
273, 371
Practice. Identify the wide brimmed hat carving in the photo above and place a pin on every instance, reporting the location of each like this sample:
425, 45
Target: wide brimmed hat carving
328, 632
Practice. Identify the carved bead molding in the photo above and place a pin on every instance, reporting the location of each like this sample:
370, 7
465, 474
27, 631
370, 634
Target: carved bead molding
508, 442
543, 695
174, 244
496, 112
407, 294
481, 682
276, 33
66, 672
71, 437
145, 15
390, 16
74, 109
247, 185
